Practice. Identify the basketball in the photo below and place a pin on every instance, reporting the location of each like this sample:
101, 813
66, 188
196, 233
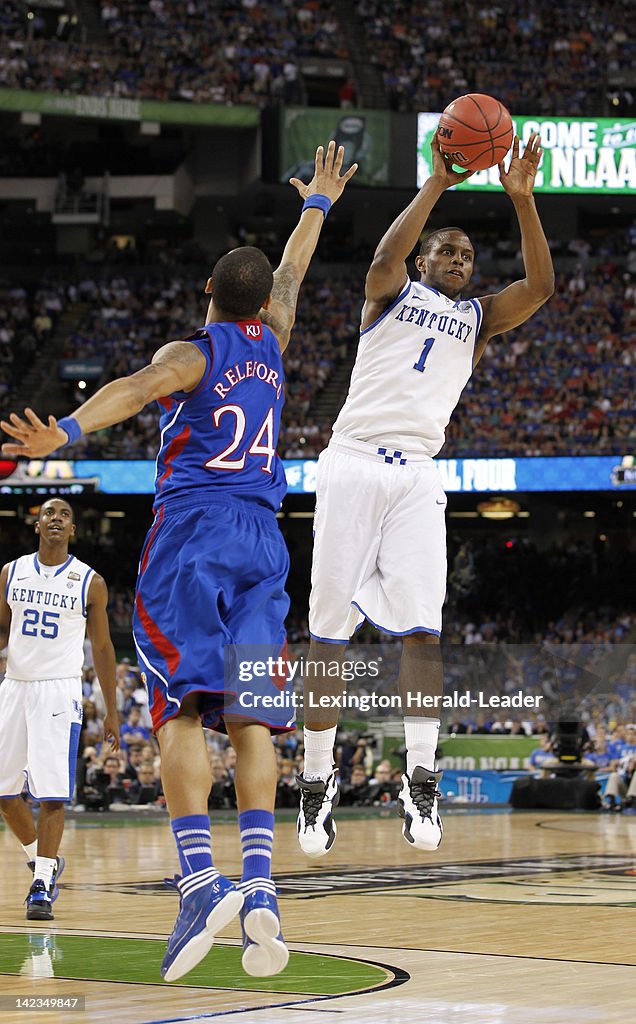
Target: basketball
475, 131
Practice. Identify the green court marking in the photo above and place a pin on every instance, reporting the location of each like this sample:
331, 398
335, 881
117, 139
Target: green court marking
96, 958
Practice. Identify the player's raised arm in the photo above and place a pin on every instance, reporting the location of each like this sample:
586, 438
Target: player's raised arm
387, 273
178, 366
326, 186
516, 303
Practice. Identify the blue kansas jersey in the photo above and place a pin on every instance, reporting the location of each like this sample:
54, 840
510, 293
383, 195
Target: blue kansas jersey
222, 436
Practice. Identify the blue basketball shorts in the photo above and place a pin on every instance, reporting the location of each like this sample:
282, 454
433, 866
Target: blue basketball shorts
212, 573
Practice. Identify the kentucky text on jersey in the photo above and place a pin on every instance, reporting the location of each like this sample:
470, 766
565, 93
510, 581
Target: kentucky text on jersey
442, 322
412, 364
43, 597
251, 368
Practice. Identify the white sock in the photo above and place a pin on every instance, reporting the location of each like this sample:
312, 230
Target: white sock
421, 736
31, 850
319, 745
44, 868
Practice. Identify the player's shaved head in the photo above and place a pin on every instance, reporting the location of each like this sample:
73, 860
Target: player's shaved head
241, 282
429, 241
51, 501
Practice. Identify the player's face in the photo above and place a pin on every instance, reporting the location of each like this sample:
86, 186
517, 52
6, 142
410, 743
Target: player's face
55, 522
448, 267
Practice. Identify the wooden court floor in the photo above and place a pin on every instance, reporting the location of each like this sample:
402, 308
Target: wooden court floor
518, 918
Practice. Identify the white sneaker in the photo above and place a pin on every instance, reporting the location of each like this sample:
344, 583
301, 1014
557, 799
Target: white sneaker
316, 827
417, 804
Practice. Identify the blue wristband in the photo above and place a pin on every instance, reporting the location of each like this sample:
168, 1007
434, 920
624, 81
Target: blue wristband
71, 427
317, 202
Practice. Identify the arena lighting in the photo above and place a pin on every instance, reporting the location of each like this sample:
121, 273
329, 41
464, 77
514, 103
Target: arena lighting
115, 515
81, 384
498, 508
589, 515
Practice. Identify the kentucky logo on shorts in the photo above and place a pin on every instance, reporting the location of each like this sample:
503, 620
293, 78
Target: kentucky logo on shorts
77, 708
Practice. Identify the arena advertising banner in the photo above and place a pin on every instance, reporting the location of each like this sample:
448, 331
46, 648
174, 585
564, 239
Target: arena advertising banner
480, 787
365, 135
486, 753
584, 155
117, 108
136, 476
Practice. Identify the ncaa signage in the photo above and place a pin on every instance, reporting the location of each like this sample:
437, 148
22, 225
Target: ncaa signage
137, 476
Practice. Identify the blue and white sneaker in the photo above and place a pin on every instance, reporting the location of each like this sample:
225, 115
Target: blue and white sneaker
39, 902
316, 827
54, 892
417, 804
205, 907
264, 951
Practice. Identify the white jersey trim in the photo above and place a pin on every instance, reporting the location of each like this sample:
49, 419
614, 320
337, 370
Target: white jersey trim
388, 308
10, 577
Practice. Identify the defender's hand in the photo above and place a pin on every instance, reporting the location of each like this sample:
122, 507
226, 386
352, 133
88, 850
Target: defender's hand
327, 180
35, 438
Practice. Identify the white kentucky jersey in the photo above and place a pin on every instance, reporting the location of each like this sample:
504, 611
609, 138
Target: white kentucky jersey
412, 365
48, 618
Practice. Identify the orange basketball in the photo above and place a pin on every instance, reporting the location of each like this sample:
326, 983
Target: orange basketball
475, 131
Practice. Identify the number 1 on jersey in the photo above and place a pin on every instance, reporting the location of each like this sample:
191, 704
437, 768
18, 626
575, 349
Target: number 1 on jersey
419, 365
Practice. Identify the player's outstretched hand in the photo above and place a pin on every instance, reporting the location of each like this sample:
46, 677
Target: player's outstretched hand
327, 180
443, 167
518, 180
35, 438
111, 730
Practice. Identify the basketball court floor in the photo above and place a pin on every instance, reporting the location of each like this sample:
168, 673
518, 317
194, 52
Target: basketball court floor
519, 918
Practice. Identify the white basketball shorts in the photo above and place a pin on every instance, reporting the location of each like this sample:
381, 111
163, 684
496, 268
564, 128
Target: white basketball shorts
40, 725
379, 542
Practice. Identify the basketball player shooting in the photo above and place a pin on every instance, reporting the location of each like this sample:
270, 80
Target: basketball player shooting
380, 535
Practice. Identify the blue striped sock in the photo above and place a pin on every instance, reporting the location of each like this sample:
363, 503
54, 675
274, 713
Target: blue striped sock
257, 837
194, 842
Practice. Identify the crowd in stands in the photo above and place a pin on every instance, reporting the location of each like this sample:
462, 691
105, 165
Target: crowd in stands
250, 51
27, 321
244, 52
563, 383
125, 320
428, 52
131, 778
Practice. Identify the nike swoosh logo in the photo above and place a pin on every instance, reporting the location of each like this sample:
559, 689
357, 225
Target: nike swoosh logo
439, 502
19, 578
56, 714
